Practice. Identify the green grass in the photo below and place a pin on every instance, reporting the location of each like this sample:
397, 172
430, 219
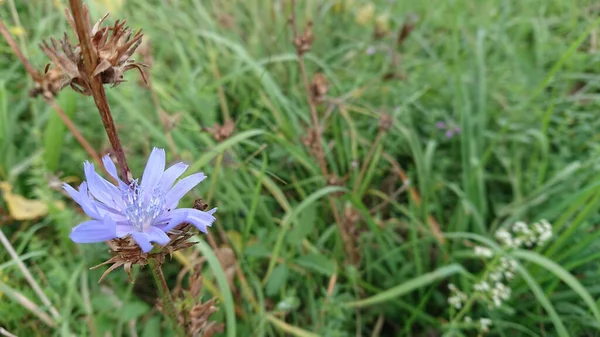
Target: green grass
504, 72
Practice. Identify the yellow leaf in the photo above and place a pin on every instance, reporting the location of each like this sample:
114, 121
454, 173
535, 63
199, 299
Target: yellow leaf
236, 239
58, 4
382, 24
365, 14
343, 6
17, 30
20, 208
111, 6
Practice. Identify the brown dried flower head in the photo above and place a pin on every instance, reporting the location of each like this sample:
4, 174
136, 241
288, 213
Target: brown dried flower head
385, 122
311, 142
221, 132
304, 42
66, 60
193, 313
319, 86
113, 47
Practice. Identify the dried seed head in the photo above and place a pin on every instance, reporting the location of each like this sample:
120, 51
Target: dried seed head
221, 132
113, 47
406, 29
114, 51
194, 314
319, 86
350, 221
311, 142
304, 42
385, 122
66, 60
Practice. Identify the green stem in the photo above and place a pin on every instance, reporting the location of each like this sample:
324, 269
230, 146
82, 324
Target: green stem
165, 295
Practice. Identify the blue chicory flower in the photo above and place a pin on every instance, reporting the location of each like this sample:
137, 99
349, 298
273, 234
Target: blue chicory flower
146, 211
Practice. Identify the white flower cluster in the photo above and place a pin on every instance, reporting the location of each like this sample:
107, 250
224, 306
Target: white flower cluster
458, 297
492, 287
484, 323
483, 252
525, 235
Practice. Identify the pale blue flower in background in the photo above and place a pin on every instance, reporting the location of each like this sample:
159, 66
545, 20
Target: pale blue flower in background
146, 211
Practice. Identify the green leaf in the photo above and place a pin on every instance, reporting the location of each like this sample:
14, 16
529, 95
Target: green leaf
318, 263
305, 225
54, 134
152, 327
290, 216
544, 301
219, 274
221, 147
277, 279
133, 310
408, 286
561, 273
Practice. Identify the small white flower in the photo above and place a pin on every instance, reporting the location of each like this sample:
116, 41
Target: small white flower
485, 324
518, 242
504, 237
455, 301
483, 286
452, 287
458, 297
468, 319
495, 276
483, 251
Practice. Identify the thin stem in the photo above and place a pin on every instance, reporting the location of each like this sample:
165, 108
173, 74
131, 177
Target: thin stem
27, 304
36, 288
347, 239
414, 194
91, 61
165, 295
367, 160
37, 77
87, 147
15, 48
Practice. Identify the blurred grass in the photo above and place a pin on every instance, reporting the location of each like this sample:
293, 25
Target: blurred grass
518, 78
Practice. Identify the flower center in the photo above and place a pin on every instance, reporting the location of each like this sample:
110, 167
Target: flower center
142, 208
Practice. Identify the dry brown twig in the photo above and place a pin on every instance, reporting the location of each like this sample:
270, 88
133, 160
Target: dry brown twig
91, 63
303, 43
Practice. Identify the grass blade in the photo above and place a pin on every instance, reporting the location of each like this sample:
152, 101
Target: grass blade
408, 286
561, 273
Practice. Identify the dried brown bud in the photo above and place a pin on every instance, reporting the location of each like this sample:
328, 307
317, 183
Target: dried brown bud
200, 205
385, 122
350, 221
334, 180
193, 313
311, 142
66, 60
304, 42
221, 132
406, 29
319, 86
